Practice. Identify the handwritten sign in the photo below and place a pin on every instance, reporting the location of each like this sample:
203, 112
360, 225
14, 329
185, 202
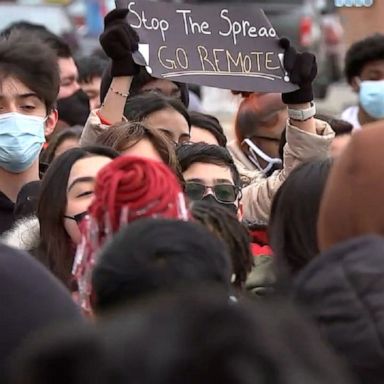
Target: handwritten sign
220, 45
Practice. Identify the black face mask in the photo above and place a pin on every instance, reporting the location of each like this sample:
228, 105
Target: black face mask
74, 110
211, 200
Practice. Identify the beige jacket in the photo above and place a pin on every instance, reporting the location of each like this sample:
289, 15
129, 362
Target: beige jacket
257, 197
92, 129
301, 146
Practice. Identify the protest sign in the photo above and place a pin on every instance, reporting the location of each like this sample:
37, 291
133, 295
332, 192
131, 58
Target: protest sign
219, 45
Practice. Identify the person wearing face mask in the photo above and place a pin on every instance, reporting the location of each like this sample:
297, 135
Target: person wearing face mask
306, 138
29, 85
210, 175
364, 70
73, 103
53, 235
128, 189
259, 124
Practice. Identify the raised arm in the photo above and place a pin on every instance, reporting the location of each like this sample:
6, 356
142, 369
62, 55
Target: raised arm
119, 40
307, 137
302, 70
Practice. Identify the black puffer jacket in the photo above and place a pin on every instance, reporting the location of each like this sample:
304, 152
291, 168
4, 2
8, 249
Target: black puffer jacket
343, 291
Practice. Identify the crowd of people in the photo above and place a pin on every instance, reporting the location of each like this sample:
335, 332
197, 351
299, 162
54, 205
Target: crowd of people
139, 245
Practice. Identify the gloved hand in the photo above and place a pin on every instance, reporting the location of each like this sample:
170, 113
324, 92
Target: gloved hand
119, 40
302, 70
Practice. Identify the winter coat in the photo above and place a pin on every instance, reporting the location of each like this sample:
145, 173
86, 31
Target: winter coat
301, 147
343, 291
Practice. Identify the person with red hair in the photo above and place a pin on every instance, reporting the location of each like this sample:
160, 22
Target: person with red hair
128, 189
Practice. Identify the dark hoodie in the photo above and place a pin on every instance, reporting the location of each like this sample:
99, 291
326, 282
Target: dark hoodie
31, 299
343, 291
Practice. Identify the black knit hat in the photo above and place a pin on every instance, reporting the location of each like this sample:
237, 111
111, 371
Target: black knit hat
155, 255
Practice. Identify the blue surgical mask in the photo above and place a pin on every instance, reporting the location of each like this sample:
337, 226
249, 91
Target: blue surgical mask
21, 139
371, 97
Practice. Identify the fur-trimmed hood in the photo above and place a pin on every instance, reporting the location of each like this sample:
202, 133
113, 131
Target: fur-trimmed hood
24, 235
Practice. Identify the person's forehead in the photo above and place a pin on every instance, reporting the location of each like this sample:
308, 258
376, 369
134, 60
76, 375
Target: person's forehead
376, 66
199, 134
11, 86
208, 173
167, 119
87, 167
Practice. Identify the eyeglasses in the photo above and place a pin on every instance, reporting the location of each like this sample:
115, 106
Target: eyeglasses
78, 218
223, 193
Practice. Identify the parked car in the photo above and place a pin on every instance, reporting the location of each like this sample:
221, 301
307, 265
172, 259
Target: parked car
54, 17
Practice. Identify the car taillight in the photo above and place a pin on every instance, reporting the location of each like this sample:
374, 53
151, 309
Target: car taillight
305, 31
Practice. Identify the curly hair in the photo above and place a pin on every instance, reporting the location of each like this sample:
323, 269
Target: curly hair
363, 52
224, 224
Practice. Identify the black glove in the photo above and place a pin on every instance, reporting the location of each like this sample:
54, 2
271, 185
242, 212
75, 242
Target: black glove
302, 70
119, 40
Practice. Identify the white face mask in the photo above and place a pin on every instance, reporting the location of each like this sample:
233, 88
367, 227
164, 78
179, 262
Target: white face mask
255, 152
21, 139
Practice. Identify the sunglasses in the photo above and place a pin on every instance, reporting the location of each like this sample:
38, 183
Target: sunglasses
78, 218
223, 193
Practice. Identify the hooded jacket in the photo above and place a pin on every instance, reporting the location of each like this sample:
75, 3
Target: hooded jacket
31, 299
352, 203
343, 291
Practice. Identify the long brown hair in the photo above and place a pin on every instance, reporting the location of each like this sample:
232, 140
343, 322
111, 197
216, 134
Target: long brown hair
125, 135
56, 250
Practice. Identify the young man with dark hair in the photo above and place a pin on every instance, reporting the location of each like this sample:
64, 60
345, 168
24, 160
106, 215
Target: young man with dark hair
72, 102
364, 70
307, 138
67, 66
91, 70
29, 84
210, 174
